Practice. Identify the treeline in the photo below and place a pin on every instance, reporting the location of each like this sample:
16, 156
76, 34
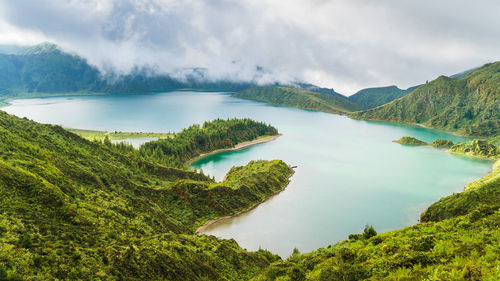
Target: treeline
196, 139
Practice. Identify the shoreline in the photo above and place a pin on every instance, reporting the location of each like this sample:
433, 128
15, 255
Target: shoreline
239, 146
202, 228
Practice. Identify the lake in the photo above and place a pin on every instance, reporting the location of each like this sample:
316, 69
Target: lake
349, 173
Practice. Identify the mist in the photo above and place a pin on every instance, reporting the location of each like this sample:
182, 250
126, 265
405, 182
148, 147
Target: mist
345, 45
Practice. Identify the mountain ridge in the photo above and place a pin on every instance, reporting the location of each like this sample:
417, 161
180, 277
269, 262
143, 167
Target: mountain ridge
468, 106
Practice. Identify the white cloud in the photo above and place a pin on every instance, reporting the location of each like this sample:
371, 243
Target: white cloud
347, 45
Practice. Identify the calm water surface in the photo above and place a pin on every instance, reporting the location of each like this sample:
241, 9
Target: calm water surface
349, 172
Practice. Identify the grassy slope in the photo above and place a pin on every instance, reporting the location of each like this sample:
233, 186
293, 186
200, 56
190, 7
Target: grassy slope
299, 99
458, 239
373, 97
75, 209
468, 106
101, 135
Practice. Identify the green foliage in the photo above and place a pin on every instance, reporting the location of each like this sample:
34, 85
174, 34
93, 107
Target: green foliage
440, 143
410, 141
25, 241
195, 140
452, 249
75, 209
373, 97
369, 231
296, 251
292, 97
468, 105
479, 195
481, 148
458, 239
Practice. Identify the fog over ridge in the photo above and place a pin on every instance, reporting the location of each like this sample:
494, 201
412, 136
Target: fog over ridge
345, 45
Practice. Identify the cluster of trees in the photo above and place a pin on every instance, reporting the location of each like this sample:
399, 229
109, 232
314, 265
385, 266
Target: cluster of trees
196, 139
73, 209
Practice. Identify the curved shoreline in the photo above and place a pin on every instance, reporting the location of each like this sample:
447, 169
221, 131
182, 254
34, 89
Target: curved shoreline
201, 229
239, 146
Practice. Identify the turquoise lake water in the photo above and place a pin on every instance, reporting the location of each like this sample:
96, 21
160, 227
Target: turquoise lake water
349, 173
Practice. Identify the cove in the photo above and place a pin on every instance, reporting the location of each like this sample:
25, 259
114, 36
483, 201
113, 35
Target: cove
349, 172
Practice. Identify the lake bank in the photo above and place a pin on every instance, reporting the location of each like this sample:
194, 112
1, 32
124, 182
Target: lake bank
350, 171
210, 223
238, 146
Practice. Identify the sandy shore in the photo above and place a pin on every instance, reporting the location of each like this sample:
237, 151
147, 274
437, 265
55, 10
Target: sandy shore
204, 227
236, 147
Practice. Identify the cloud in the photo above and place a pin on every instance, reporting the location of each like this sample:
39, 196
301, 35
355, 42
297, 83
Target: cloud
347, 45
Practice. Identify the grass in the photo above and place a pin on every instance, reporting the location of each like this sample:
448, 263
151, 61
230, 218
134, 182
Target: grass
114, 135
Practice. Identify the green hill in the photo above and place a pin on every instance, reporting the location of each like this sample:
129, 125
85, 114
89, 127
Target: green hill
373, 97
78, 210
71, 209
469, 105
292, 97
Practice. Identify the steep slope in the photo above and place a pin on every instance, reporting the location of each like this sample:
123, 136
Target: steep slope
75, 209
469, 106
373, 97
292, 97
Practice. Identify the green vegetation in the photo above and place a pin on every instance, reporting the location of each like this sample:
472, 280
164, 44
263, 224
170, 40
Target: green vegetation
482, 194
195, 140
292, 97
462, 248
481, 148
410, 141
468, 105
75, 209
458, 239
101, 135
373, 97
440, 143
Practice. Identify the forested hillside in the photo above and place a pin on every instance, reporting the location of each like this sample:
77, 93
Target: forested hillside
373, 97
470, 105
80, 210
292, 97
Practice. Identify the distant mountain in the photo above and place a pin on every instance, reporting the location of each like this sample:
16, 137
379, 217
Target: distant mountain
373, 97
286, 96
463, 73
470, 105
46, 68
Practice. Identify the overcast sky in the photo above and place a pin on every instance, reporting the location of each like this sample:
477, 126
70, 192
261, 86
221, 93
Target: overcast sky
346, 45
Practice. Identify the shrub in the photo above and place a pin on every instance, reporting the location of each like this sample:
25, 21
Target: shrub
369, 231
25, 241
